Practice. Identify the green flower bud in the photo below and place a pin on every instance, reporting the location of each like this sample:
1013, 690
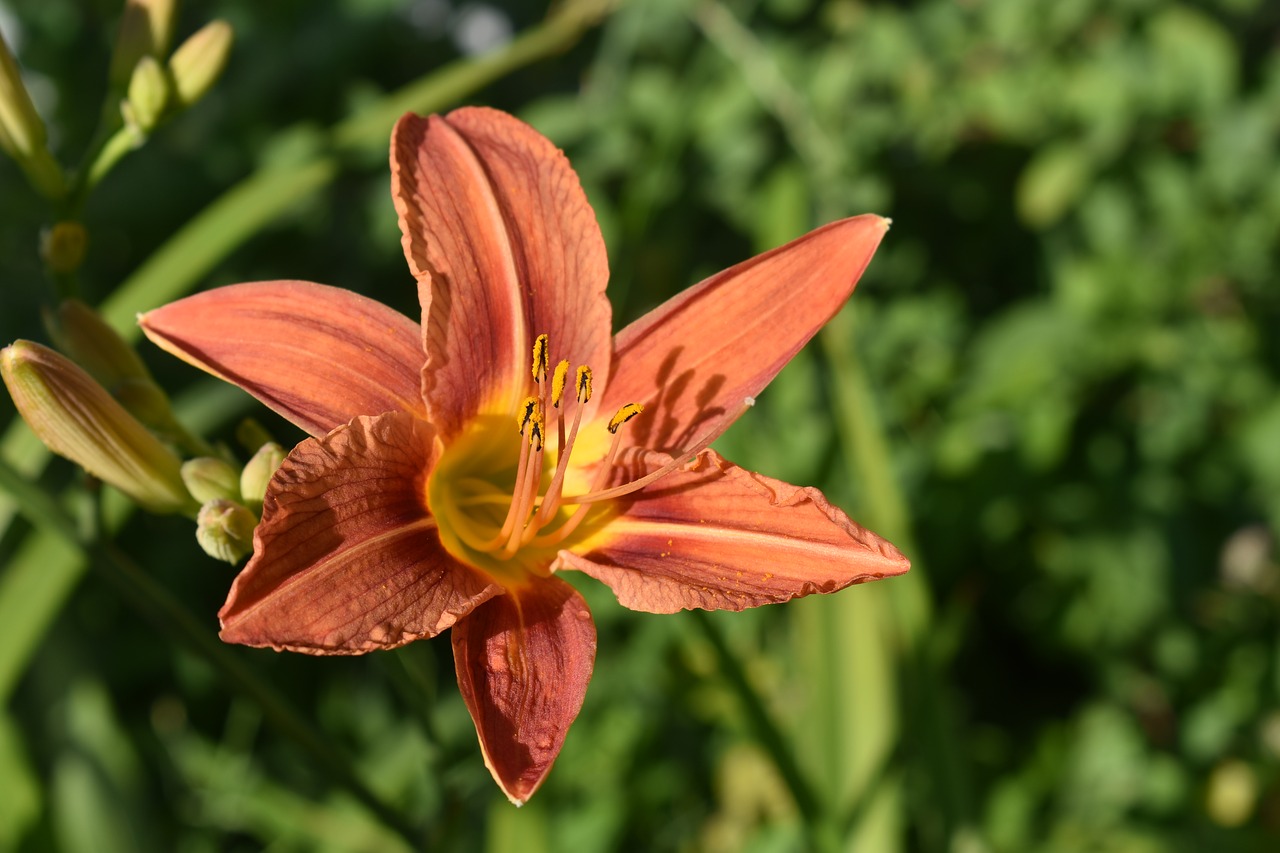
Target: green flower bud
23, 127
258, 472
148, 95
146, 28
78, 419
81, 333
208, 479
224, 530
62, 246
198, 61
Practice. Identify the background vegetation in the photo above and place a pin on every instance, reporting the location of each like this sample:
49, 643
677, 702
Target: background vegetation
1056, 389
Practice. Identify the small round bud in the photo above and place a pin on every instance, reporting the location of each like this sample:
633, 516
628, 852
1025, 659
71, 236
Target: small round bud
224, 530
208, 478
62, 246
258, 472
197, 63
148, 95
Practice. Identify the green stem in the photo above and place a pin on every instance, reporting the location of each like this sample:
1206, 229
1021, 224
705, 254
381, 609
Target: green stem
125, 139
766, 731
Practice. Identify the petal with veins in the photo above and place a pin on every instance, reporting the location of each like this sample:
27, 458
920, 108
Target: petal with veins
695, 358
524, 660
505, 247
346, 559
316, 354
717, 537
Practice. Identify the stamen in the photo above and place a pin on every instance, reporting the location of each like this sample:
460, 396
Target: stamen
635, 485
557, 383
626, 413
538, 425
540, 347
526, 412
583, 384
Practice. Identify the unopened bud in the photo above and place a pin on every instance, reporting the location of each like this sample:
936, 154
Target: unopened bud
23, 127
62, 246
148, 95
81, 333
78, 419
224, 530
146, 28
208, 478
198, 61
258, 472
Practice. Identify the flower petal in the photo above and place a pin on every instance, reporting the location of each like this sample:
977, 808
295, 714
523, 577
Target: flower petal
717, 537
524, 660
346, 559
505, 247
696, 358
317, 355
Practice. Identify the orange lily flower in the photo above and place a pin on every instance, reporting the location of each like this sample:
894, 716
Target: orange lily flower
455, 467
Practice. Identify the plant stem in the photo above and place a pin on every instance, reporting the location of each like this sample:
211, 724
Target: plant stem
820, 829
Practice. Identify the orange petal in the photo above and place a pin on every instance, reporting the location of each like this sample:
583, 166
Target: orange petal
524, 660
505, 247
695, 358
717, 537
317, 355
346, 559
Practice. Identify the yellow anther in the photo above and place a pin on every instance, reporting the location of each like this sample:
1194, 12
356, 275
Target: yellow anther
540, 358
626, 413
557, 383
526, 412
537, 426
583, 384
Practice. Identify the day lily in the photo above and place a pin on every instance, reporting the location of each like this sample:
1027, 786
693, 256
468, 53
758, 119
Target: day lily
455, 467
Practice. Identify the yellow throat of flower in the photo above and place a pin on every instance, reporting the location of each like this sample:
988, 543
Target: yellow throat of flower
499, 499
508, 504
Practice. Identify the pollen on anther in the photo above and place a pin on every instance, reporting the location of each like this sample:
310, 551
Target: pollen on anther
537, 428
540, 347
583, 383
558, 382
526, 412
626, 413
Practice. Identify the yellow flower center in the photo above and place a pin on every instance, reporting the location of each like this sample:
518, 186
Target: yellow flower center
499, 499
507, 504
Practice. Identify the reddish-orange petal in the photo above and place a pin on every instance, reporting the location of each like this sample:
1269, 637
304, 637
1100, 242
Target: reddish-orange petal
695, 358
505, 247
524, 660
318, 355
346, 559
717, 537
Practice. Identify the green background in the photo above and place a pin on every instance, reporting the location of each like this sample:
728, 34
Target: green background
1055, 389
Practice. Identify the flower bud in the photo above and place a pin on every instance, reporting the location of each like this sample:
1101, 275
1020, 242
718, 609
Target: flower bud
224, 530
258, 472
148, 95
63, 245
81, 333
23, 127
198, 61
78, 419
208, 479
146, 27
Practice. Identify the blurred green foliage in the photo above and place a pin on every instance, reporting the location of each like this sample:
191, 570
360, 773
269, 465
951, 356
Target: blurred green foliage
1071, 341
